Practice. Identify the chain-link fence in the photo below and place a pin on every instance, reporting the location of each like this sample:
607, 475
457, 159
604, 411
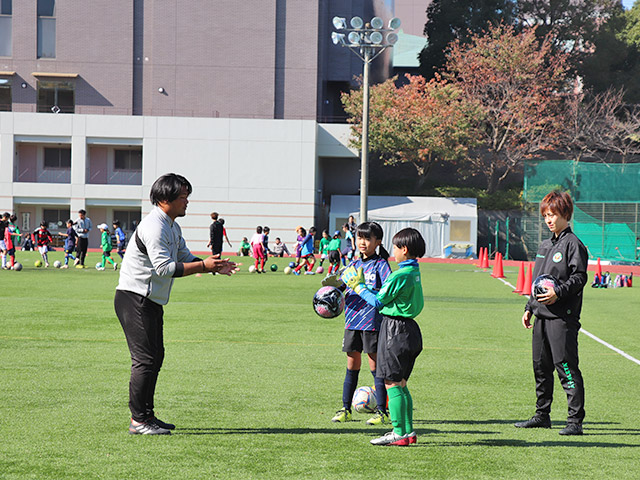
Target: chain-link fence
607, 205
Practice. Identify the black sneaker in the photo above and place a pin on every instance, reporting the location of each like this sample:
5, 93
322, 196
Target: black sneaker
571, 429
147, 428
536, 421
161, 424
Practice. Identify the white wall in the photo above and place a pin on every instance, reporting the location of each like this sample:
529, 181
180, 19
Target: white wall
253, 172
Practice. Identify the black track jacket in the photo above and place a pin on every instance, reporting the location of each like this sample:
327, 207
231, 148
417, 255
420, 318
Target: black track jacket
564, 257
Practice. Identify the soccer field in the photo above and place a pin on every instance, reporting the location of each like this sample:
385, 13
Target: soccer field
252, 378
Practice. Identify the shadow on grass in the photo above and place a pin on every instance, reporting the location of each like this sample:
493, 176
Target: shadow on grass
494, 422
524, 443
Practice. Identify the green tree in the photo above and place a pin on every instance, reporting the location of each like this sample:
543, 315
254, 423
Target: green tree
421, 123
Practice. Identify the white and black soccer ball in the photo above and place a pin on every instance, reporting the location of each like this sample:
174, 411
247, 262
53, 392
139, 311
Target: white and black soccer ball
364, 400
252, 268
98, 265
541, 283
328, 302
57, 264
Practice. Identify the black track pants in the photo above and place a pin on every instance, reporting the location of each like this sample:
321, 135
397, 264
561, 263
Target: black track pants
555, 346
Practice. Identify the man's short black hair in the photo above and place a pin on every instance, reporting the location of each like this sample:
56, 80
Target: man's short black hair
168, 187
82, 211
412, 239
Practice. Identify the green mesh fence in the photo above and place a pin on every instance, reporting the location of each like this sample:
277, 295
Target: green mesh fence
607, 205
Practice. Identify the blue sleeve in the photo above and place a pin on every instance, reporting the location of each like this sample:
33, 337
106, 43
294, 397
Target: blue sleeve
370, 297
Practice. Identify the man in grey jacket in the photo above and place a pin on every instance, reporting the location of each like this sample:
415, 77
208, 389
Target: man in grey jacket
156, 255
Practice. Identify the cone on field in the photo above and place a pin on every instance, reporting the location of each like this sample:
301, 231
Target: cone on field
520, 283
526, 287
485, 259
480, 257
497, 267
598, 268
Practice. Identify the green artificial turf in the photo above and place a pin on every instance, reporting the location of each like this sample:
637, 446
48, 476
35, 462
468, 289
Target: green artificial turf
252, 378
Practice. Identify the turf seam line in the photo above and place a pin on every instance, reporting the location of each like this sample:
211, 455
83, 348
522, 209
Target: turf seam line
589, 334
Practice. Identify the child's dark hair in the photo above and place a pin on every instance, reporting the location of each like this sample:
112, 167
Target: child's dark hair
116, 223
325, 231
168, 187
221, 221
43, 223
258, 229
277, 238
266, 229
312, 229
13, 217
70, 222
372, 229
412, 239
303, 232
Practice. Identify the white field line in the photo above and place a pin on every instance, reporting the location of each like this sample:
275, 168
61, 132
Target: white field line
589, 334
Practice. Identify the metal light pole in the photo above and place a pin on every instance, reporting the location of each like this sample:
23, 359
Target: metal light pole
367, 42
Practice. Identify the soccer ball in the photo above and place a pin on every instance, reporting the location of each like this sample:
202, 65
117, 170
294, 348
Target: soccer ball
17, 266
328, 302
541, 283
319, 270
57, 264
98, 265
364, 400
292, 264
252, 268
274, 268
38, 263
287, 270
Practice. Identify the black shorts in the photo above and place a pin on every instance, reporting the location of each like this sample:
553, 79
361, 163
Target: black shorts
400, 343
360, 341
334, 256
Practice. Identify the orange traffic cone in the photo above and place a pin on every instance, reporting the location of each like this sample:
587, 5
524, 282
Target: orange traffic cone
598, 268
497, 267
520, 283
526, 287
485, 259
480, 257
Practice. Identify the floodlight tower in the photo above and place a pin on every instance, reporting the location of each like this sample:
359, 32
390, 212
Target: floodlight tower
367, 41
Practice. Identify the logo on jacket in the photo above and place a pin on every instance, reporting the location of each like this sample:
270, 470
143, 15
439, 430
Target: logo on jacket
557, 257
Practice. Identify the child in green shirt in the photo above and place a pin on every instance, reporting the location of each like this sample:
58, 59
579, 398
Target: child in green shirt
324, 246
105, 243
399, 300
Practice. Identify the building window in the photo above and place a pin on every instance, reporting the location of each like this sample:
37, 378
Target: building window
5, 94
46, 29
56, 218
5, 28
56, 97
57, 157
129, 219
128, 160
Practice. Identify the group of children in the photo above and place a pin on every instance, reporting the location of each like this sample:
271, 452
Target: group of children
42, 239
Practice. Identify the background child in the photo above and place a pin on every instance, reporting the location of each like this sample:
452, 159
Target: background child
299, 238
265, 241
4, 224
42, 238
245, 247
362, 323
121, 238
350, 247
280, 249
257, 246
106, 247
307, 259
8, 243
399, 300
14, 232
334, 253
224, 233
324, 246
69, 243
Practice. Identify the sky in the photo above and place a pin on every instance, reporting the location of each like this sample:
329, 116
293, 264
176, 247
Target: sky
627, 4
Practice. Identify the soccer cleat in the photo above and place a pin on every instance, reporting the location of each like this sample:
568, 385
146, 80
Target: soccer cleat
413, 438
76, 261
571, 429
65, 266
379, 419
115, 266
309, 273
150, 427
100, 268
161, 424
391, 439
341, 416
537, 421
296, 272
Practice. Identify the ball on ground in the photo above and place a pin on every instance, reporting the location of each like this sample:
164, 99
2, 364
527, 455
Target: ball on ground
98, 265
292, 264
38, 263
364, 400
287, 270
328, 302
57, 264
274, 267
252, 268
17, 266
320, 270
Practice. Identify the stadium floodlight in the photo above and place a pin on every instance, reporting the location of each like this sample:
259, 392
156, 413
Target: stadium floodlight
339, 23
337, 38
356, 22
377, 23
376, 37
354, 38
392, 38
394, 23
368, 41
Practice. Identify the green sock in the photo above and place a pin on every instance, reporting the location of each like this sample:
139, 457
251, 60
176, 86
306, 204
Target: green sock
409, 417
397, 409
